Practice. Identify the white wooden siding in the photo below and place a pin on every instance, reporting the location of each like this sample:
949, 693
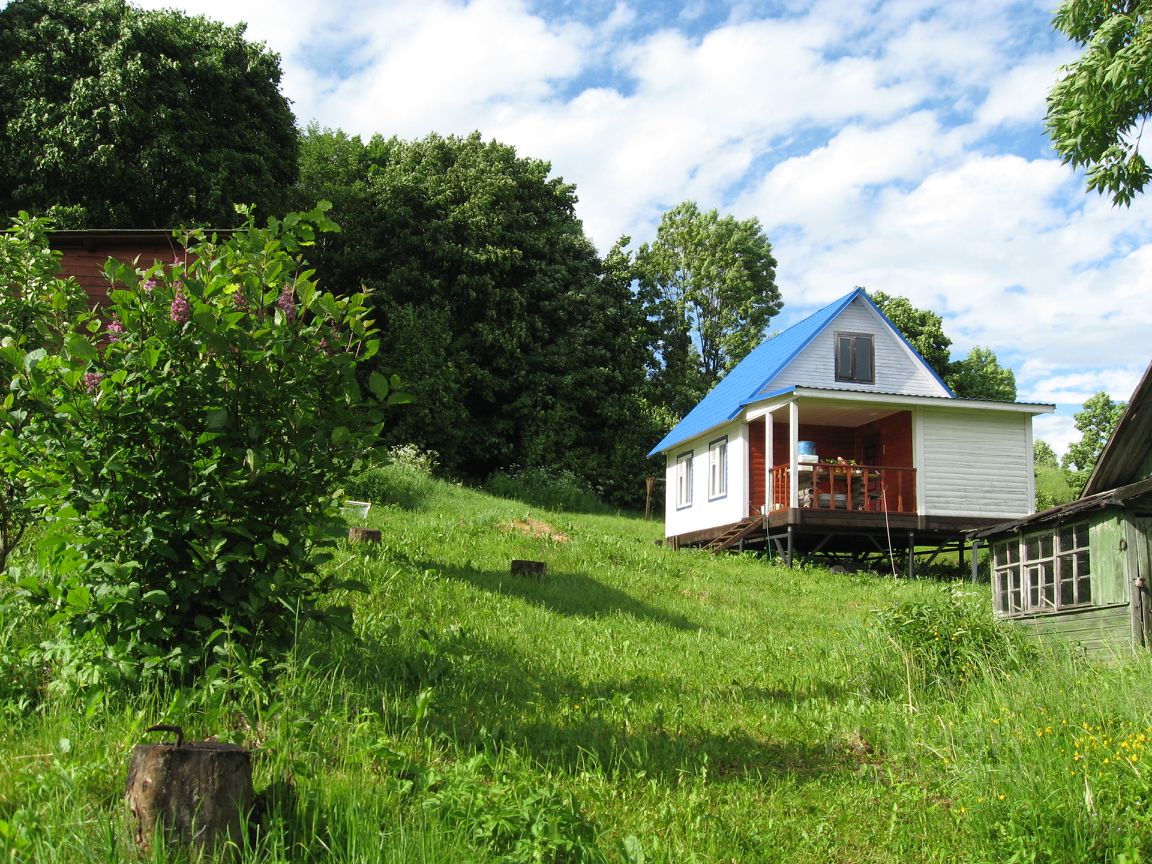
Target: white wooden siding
897, 369
974, 463
704, 513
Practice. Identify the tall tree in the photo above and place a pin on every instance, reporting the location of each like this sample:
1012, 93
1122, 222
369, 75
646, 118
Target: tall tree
1097, 111
923, 328
1044, 455
710, 284
1095, 422
111, 116
980, 376
977, 376
521, 346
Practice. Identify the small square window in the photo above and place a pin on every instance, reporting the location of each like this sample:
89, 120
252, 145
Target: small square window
855, 358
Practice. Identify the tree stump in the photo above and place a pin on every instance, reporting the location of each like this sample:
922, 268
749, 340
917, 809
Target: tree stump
531, 569
197, 794
363, 535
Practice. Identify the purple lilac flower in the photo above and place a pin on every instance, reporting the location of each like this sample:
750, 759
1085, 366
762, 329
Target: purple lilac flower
149, 286
179, 311
287, 303
239, 301
114, 329
92, 381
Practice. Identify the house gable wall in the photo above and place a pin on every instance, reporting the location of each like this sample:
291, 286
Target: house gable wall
897, 368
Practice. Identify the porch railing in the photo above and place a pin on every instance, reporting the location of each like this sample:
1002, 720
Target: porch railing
835, 486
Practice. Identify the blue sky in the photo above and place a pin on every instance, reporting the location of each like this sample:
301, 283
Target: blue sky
897, 145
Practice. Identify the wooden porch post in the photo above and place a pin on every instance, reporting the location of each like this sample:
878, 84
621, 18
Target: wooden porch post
769, 491
793, 456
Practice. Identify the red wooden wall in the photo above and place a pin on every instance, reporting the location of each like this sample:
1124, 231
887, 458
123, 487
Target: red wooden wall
84, 254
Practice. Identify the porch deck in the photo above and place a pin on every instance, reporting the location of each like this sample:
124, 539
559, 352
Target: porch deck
851, 538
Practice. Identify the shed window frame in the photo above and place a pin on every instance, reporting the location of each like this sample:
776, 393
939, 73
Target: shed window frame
718, 469
1044, 571
853, 351
684, 480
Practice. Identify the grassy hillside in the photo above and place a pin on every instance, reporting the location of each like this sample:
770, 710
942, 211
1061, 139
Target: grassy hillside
636, 705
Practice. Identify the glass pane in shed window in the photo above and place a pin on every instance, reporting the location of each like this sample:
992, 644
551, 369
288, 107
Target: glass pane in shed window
1084, 590
1032, 547
1046, 545
1083, 563
1067, 581
1047, 586
1067, 537
1082, 535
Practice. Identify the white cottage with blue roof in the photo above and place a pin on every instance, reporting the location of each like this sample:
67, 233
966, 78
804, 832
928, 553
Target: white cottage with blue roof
836, 437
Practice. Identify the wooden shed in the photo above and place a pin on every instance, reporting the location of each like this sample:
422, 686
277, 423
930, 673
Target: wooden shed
1080, 572
84, 253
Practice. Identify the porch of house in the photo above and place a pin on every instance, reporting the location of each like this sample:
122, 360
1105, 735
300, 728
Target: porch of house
852, 503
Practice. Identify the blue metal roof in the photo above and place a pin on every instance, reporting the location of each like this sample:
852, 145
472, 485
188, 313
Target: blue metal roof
752, 374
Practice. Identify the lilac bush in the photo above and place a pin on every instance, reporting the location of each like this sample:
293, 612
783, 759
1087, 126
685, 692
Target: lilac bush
196, 456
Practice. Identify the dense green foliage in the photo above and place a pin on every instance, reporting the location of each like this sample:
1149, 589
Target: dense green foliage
1095, 422
111, 116
1097, 111
977, 376
709, 285
1052, 486
189, 445
638, 704
36, 311
523, 349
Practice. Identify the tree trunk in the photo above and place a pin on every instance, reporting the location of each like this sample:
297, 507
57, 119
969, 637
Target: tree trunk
363, 535
197, 794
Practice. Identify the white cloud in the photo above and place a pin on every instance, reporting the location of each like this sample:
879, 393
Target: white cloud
891, 143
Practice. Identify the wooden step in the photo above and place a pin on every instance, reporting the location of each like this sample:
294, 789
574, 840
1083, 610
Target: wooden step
736, 533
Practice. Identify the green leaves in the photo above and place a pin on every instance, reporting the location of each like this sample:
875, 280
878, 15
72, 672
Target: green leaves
77, 138
199, 458
710, 285
1097, 110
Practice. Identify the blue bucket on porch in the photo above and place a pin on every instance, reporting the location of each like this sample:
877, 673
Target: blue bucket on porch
806, 451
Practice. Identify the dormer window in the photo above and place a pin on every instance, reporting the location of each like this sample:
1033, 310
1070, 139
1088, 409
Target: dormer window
854, 358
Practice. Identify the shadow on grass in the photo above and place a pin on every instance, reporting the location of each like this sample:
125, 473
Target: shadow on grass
563, 591
487, 696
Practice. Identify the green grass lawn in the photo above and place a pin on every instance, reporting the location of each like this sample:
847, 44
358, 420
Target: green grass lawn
636, 705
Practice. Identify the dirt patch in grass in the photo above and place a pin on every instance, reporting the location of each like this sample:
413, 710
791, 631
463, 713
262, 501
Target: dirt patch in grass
537, 528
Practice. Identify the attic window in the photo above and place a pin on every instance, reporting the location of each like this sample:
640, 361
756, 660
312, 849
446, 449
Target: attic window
854, 358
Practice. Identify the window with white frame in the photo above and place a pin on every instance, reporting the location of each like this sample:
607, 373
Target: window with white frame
718, 468
684, 480
1043, 572
855, 359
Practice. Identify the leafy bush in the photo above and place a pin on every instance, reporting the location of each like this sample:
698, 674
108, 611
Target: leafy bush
36, 310
520, 818
552, 489
952, 641
401, 476
194, 435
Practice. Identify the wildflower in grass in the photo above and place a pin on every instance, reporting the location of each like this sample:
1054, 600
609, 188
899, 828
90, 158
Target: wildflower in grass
180, 310
92, 381
114, 329
287, 303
